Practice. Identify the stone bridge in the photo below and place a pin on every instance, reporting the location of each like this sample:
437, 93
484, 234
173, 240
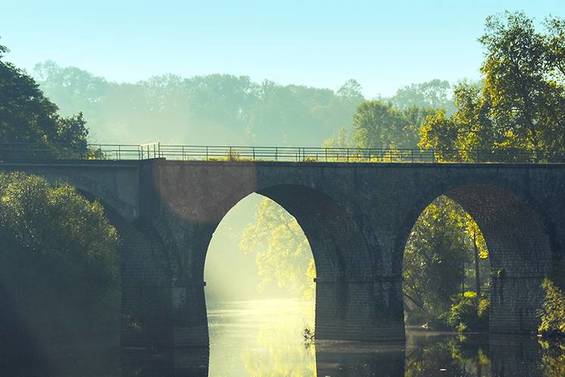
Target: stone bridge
356, 216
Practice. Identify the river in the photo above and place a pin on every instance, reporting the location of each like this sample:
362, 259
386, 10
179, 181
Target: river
265, 339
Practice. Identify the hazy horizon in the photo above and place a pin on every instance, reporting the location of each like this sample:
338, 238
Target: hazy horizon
383, 46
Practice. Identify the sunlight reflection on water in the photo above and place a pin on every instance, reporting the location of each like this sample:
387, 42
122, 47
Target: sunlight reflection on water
260, 338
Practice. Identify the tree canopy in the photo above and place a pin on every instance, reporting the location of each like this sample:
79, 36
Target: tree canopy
434, 94
282, 252
212, 109
378, 124
58, 259
27, 116
520, 103
437, 258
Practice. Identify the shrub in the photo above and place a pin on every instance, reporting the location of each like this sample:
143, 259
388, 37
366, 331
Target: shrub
466, 314
552, 314
58, 261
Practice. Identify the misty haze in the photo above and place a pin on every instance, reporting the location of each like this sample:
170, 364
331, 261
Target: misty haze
248, 189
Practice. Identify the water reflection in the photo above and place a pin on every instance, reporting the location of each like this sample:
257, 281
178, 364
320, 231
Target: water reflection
342, 359
178, 363
264, 339
261, 338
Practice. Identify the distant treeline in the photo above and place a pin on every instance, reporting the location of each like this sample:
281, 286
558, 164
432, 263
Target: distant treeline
216, 109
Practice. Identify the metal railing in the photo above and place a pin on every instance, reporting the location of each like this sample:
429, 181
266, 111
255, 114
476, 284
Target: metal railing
22, 151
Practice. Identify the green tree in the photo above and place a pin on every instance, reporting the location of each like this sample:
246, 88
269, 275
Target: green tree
434, 260
520, 104
523, 78
27, 116
378, 124
282, 252
351, 90
444, 252
211, 109
434, 94
58, 260
552, 314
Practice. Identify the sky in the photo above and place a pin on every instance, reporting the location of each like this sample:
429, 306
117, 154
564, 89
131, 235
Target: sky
383, 45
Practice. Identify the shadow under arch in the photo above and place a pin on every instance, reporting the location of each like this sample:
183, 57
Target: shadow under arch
336, 243
144, 274
520, 244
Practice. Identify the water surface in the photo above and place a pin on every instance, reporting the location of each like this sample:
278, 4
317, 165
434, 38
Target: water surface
264, 339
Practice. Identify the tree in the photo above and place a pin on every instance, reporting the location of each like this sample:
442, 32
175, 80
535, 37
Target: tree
434, 94
58, 261
552, 314
351, 90
341, 140
27, 116
521, 71
282, 252
211, 109
378, 124
434, 259
520, 104
440, 133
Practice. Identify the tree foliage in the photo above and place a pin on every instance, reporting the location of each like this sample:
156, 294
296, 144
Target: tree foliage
520, 103
434, 94
212, 109
27, 116
282, 252
436, 258
58, 258
378, 124
552, 315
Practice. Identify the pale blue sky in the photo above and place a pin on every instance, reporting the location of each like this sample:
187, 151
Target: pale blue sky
384, 45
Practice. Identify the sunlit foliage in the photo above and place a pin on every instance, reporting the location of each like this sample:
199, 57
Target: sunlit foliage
552, 314
553, 358
281, 249
437, 252
394, 122
465, 314
519, 105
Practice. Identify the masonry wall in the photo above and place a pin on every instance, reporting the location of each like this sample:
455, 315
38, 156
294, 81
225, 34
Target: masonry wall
357, 218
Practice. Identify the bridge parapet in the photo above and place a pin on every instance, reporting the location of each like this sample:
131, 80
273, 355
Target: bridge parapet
179, 152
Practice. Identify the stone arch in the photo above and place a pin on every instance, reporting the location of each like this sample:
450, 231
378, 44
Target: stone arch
337, 245
519, 239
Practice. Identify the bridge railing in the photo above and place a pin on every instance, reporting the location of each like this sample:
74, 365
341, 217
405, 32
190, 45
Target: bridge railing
23, 151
